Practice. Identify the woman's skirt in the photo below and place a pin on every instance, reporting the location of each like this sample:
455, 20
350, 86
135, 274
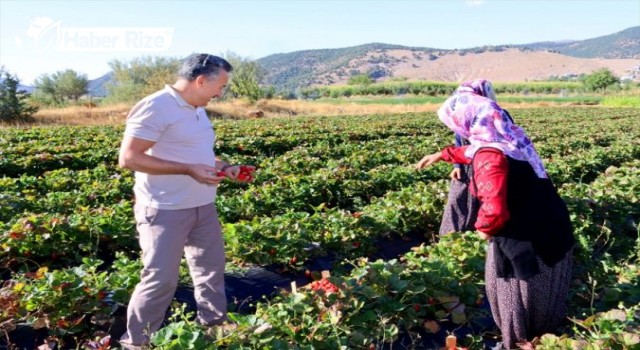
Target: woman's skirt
461, 210
527, 309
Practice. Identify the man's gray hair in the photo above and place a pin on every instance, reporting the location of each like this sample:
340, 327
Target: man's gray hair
203, 64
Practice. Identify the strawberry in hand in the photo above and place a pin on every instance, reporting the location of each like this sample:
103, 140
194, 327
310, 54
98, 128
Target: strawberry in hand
245, 173
240, 173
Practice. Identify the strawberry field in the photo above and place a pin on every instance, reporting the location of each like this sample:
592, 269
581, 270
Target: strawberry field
336, 188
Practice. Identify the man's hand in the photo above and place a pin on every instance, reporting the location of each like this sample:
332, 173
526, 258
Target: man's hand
205, 174
240, 173
428, 160
455, 174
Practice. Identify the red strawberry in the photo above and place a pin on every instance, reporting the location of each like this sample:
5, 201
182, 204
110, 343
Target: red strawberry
16, 235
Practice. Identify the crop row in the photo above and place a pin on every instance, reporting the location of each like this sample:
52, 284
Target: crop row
324, 186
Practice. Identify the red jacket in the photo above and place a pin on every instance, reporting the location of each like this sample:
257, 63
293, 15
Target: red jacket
489, 185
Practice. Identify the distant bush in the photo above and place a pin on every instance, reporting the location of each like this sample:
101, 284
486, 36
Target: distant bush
600, 80
246, 78
140, 77
431, 88
61, 86
378, 72
360, 79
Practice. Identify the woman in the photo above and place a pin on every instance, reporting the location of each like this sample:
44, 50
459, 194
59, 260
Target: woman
529, 257
461, 209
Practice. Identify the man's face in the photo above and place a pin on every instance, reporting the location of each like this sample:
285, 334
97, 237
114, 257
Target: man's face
210, 88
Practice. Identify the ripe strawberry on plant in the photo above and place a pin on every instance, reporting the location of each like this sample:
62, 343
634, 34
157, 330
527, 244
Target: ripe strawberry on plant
62, 323
324, 285
16, 235
63, 286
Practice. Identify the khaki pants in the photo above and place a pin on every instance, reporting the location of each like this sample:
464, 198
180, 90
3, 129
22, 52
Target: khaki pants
164, 236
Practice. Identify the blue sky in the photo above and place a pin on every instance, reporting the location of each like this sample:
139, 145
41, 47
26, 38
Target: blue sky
38, 37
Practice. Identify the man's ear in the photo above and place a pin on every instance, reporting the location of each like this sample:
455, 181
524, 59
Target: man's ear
200, 80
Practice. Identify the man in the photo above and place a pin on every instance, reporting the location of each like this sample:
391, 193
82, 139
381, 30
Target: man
168, 142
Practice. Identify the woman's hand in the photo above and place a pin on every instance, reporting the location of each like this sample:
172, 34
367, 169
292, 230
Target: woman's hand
483, 235
455, 174
428, 160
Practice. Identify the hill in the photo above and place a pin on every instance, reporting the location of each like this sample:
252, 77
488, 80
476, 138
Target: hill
98, 87
623, 44
619, 52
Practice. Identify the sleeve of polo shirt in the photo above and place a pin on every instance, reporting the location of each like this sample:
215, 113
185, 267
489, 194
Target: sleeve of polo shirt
145, 121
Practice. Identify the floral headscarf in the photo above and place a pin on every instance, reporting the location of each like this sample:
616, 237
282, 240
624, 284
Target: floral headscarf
480, 87
474, 115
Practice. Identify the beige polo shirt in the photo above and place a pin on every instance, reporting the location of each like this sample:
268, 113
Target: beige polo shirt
181, 133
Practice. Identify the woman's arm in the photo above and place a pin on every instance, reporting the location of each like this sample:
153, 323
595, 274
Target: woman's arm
449, 154
490, 176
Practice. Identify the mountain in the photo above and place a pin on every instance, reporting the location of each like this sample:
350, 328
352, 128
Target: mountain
618, 52
301, 68
98, 87
26, 88
623, 44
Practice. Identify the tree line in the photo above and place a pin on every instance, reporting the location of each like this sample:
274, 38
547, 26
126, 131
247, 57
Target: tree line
131, 81
139, 77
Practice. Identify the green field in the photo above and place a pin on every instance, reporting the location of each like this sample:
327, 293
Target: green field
340, 185
418, 100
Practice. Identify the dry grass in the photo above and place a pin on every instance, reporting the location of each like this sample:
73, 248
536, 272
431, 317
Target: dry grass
241, 109
282, 108
234, 109
83, 115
